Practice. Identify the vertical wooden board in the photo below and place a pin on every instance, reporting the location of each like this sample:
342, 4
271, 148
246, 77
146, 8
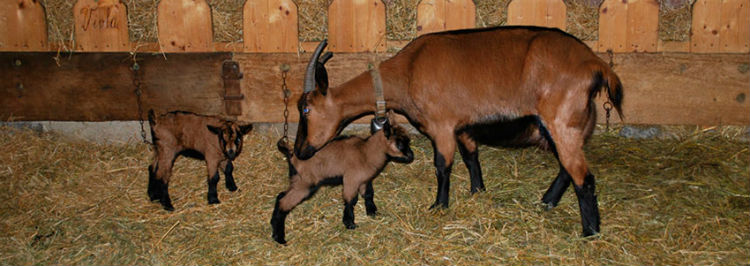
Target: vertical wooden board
23, 26
613, 17
101, 26
270, 26
642, 25
545, 13
460, 14
430, 16
185, 26
734, 33
356, 26
704, 37
441, 15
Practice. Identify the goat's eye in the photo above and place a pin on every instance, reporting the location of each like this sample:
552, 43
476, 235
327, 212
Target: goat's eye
237, 141
306, 110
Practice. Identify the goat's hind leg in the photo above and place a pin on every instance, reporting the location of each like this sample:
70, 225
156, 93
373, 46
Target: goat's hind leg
561, 183
368, 193
228, 177
158, 183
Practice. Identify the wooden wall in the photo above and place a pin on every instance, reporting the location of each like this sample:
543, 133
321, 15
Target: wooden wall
705, 78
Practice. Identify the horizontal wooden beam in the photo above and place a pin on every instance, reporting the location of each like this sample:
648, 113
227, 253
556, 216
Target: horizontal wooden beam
100, 86
660, 88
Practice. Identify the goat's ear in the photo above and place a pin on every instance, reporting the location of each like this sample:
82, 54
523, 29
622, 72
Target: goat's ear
321, 78
387, 129
244, 129
213, 129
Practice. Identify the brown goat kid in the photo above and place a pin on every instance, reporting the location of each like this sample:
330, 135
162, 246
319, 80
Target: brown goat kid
208, 138
509, 86
351, 161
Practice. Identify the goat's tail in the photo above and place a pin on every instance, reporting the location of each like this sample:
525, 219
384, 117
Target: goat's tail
285, 149
605, 77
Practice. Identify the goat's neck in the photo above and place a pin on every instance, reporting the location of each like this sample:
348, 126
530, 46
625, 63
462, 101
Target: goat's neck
376, 147
357, 96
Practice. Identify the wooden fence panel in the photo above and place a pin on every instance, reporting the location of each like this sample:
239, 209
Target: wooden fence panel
270, 26
720, 26
24, 27
356, 26
547, 13
628, 26
442, 15
101, 26
185, 26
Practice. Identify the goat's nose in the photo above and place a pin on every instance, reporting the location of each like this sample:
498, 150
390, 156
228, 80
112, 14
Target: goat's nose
231, 154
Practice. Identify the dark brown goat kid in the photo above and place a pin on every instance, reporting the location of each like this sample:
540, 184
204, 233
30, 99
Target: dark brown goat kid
215, 140
508, 86
351, 161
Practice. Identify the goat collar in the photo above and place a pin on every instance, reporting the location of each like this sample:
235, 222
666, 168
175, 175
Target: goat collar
377, 83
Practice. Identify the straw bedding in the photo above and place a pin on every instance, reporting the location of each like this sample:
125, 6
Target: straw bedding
677, 200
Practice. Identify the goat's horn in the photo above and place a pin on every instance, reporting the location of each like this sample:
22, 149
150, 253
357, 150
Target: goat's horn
310, 74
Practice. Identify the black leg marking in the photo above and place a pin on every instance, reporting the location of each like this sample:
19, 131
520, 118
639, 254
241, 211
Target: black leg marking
588, 205
471, 160
348, 218
369, 196
166, 202
277, 221
443, 173
154, 185
228, 177
555, 192
213, 196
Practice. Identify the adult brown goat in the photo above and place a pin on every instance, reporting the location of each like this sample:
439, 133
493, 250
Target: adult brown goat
349, 161
215, 140
510, 86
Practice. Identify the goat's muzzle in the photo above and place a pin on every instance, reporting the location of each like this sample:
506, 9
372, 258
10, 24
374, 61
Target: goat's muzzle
305, 151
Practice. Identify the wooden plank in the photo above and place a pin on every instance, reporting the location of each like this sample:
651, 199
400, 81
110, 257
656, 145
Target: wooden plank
23, 26
101, 26
99, 86
270, 26
704, 36
643, 25
702, 89
356, 26
185, 26
442, 15
734, 33
546, 13
628, 26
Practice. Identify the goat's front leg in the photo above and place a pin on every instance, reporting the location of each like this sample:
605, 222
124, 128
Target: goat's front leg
470, 155
444, 146
350, 200
368, 193
285, 202
228, 177
212, 166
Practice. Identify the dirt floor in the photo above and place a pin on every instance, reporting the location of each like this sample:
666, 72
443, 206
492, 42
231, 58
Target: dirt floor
679, 200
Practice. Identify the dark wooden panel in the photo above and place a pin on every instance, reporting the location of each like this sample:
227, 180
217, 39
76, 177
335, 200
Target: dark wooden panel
99, 86
663, 88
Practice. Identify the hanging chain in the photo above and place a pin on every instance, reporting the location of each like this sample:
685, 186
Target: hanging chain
285, 90
608, 105
138, 91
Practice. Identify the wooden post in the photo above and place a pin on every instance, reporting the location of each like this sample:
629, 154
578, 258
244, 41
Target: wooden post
356, 26
442, 15
101, 26
628, 26
720, 26
547, 13
270, 26
185, 26
24, 27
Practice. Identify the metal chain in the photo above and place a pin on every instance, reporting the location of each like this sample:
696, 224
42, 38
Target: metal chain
287, 93
138, 91
608, 105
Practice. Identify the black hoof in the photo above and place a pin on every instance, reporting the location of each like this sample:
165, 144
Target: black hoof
232, 187
438, 206
590, 233
372, 213
279, 240
350, 225
548, 206
213, 201
153, 196
168, 206
477, 189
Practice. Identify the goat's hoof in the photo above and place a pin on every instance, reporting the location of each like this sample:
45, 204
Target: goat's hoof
548, 206
350, 225
475, 190
154, 197
168, 206
232, 187
590, 233
213, 201
438, 206
279, 240
372, 213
